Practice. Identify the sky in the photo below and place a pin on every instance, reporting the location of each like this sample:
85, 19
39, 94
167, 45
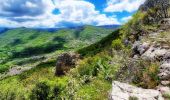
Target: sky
66, 13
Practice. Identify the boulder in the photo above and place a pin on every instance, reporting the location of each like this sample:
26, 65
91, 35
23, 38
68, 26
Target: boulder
140, 48
124, 91
165, 83
164, 71
165, 21
65, 62
164, 89
154, 53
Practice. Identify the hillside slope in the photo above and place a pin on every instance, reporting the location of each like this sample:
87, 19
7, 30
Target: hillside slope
131, 63
24, 47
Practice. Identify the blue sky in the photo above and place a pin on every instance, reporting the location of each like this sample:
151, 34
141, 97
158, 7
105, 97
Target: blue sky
65, 13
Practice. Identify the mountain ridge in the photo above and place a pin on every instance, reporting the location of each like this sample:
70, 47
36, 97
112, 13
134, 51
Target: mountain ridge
4, 29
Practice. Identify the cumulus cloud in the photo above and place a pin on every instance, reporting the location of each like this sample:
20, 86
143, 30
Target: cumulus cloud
16, 8
123, 5
82, 12
38, 13
126, 19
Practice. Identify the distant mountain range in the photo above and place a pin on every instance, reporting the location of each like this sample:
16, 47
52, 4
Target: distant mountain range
4, 29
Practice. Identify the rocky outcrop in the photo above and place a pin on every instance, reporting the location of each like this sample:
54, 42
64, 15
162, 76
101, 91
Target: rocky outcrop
123, 91
165, 21
156, 10
139, 48
66, 61
165, 71
157, 51
164, 90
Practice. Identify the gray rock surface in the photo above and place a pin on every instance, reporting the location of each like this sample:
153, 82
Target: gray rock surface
164, 90
140, 48
155, 53
123, 91
165, 71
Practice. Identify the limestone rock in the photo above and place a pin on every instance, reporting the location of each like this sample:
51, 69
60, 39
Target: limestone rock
155, 53
164, 89
165, 83
140, 48
164, 71
165, 21
123, 91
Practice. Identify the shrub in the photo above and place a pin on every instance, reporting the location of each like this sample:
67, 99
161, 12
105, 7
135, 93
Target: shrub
3, 68
141, 72
86, 69
40, 92
55, 93
149, 78
117, 44
166, 95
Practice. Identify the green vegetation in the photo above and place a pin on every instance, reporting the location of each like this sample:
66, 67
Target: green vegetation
100, 45
104, 60
117, 44
17, 45
22, 47
167, 96
31, 83
91, 79
133, 98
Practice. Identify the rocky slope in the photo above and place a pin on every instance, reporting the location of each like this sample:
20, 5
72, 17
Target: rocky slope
153, 46
123, 91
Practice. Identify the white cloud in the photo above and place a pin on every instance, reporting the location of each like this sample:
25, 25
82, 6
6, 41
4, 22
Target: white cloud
126, 19
76, 12
79, 11
123, 5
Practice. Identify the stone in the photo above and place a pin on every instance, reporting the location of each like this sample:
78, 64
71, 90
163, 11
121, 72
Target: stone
164, 89
65, 62
165, 21
154, 53
165, 83
124, 91
164, 71
167, 56
140, 48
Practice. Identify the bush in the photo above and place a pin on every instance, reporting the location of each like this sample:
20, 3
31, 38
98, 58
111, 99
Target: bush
40, 92
150, 78
166, 95
141, 72
88, 67
3, 68
117, 44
